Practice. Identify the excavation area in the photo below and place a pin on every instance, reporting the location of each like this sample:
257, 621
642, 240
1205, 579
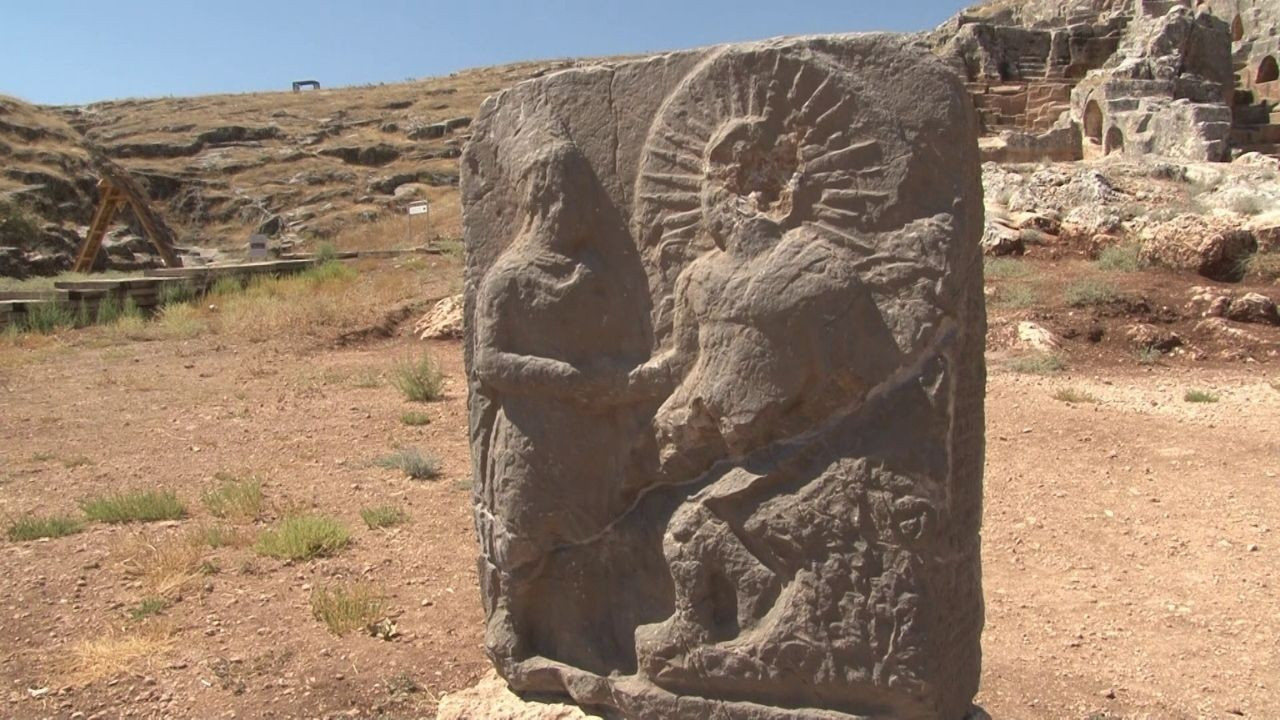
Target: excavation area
265, 510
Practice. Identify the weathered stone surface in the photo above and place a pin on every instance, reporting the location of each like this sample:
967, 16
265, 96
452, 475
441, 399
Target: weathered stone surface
724, 348
444, 321
491, 699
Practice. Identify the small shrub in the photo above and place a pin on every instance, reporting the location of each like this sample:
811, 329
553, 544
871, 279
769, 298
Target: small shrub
1074, 397
419, 380
48, 317
235, 498
134, 506
1005, 268
1200, 396
415, 419
18, 227
29, 528
347, 608
1038, 364
412, 462
150, 606
326, 252
75, 462
1264, 265
1120, 258
383, 516
1149, 356
1089, 292
303, 537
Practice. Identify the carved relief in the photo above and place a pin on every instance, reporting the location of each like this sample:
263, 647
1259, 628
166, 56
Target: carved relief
717, 381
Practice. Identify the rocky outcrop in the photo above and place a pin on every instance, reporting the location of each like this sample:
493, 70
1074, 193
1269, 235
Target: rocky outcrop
1213, 247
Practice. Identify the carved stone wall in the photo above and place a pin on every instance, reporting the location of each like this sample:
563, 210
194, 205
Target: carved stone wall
724, 348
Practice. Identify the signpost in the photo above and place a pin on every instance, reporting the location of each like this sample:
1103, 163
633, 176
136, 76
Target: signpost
258, 247
419, 208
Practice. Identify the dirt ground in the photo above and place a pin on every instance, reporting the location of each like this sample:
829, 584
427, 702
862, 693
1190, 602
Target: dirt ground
1132, 545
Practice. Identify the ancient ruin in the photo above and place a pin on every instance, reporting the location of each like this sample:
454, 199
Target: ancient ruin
1057, 81
724, 351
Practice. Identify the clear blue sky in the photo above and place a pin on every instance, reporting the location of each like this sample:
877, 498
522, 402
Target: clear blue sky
77, 51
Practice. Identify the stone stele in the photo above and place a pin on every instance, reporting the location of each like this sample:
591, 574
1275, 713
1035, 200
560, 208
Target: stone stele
724, 332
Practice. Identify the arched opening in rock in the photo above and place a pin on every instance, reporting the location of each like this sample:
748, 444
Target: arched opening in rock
1115, 141
1237, 29
1093, 121
1268, 70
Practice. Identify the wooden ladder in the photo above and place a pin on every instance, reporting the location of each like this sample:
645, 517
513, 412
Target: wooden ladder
119, 189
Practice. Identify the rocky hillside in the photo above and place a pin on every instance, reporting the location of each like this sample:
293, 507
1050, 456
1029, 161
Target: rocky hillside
297, 166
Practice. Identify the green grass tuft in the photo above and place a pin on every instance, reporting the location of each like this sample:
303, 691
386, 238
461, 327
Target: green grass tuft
134, 506
150, 606
1038, 364
419, 380
1005, 268
1016, 297
235, 498
412, 462
26, 529
1088, 292
348, 608
48, 317
326, 252
176, 293
1120, 258
329, 271
303, 537
1200, 396
227, 285
383, 516
415, 419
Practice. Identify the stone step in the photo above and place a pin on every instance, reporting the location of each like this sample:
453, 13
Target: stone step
1255, 135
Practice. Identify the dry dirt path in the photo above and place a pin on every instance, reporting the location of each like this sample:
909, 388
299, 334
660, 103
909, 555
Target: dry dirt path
1132, 546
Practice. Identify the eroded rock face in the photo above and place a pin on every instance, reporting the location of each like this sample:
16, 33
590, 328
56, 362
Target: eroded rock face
724, 349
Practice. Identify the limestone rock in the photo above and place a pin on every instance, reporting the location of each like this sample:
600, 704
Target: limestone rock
1254, 308
491, 699
1209, 246
1149, 337
724, 334
1037, 337
443, 322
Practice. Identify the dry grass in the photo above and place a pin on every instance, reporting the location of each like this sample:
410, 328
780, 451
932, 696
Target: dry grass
1200, 396
164, 564
347, 608
412, 462
1072, 396
311, 305
117, 652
